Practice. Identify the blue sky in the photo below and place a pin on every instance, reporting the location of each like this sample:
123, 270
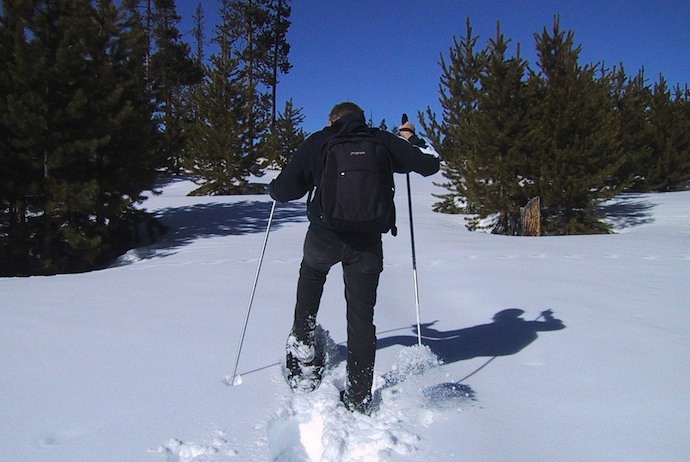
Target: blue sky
384, 55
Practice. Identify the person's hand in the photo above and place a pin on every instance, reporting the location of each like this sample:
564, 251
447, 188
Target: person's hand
406, 130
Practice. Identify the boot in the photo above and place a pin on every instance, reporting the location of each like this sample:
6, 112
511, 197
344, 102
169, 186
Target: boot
360, 404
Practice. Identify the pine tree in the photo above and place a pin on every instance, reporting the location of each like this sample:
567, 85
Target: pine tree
496, 175
47, 84
74, 130
259, 28
232, 137
21, 175
219, 149
459, 94
198, 34
172, 73
682, 135
669, 168
286, 136
247, 22
274, 41
128, 163
506, 137
632, 99
575, 137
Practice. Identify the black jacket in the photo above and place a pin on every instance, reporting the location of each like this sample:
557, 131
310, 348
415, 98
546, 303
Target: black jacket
304, 169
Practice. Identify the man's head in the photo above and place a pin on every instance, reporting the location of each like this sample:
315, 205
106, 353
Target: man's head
345, 109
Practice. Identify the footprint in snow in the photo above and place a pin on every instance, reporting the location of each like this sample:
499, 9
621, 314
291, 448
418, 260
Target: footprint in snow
179, 451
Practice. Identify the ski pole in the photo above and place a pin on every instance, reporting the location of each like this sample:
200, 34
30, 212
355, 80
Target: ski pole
414, 265
414, 254
237, 380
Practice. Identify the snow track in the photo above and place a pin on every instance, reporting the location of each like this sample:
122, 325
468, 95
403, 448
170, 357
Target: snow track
317, 427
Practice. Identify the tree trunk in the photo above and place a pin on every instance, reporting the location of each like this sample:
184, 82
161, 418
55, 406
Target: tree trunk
531, 217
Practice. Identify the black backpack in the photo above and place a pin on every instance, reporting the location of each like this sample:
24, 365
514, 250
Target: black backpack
356, 188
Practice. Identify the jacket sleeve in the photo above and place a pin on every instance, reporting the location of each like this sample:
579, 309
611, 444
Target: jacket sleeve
407, 157
295, 180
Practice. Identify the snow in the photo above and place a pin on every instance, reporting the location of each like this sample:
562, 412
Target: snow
134, 362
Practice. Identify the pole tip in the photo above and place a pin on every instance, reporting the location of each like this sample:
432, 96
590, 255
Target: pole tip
233, 382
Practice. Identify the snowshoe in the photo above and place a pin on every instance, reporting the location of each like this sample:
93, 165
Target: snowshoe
304, 364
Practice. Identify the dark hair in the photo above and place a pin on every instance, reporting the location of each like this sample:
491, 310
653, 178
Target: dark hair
344, 109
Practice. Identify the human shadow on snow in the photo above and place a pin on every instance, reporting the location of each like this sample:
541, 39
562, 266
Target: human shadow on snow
188, 223
508, 334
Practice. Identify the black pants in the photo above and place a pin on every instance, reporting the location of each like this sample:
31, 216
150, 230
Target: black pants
362, 261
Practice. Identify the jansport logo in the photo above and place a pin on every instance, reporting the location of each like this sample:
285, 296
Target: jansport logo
357, 153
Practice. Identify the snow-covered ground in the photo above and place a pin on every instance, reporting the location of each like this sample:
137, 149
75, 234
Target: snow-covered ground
555, 348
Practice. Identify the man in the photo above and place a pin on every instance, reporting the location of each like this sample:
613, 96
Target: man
360, 254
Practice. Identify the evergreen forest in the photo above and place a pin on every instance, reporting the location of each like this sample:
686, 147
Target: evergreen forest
574, 135
102, 99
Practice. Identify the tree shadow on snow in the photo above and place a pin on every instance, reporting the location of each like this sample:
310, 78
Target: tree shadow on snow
628, 210
186, 224
507, 335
